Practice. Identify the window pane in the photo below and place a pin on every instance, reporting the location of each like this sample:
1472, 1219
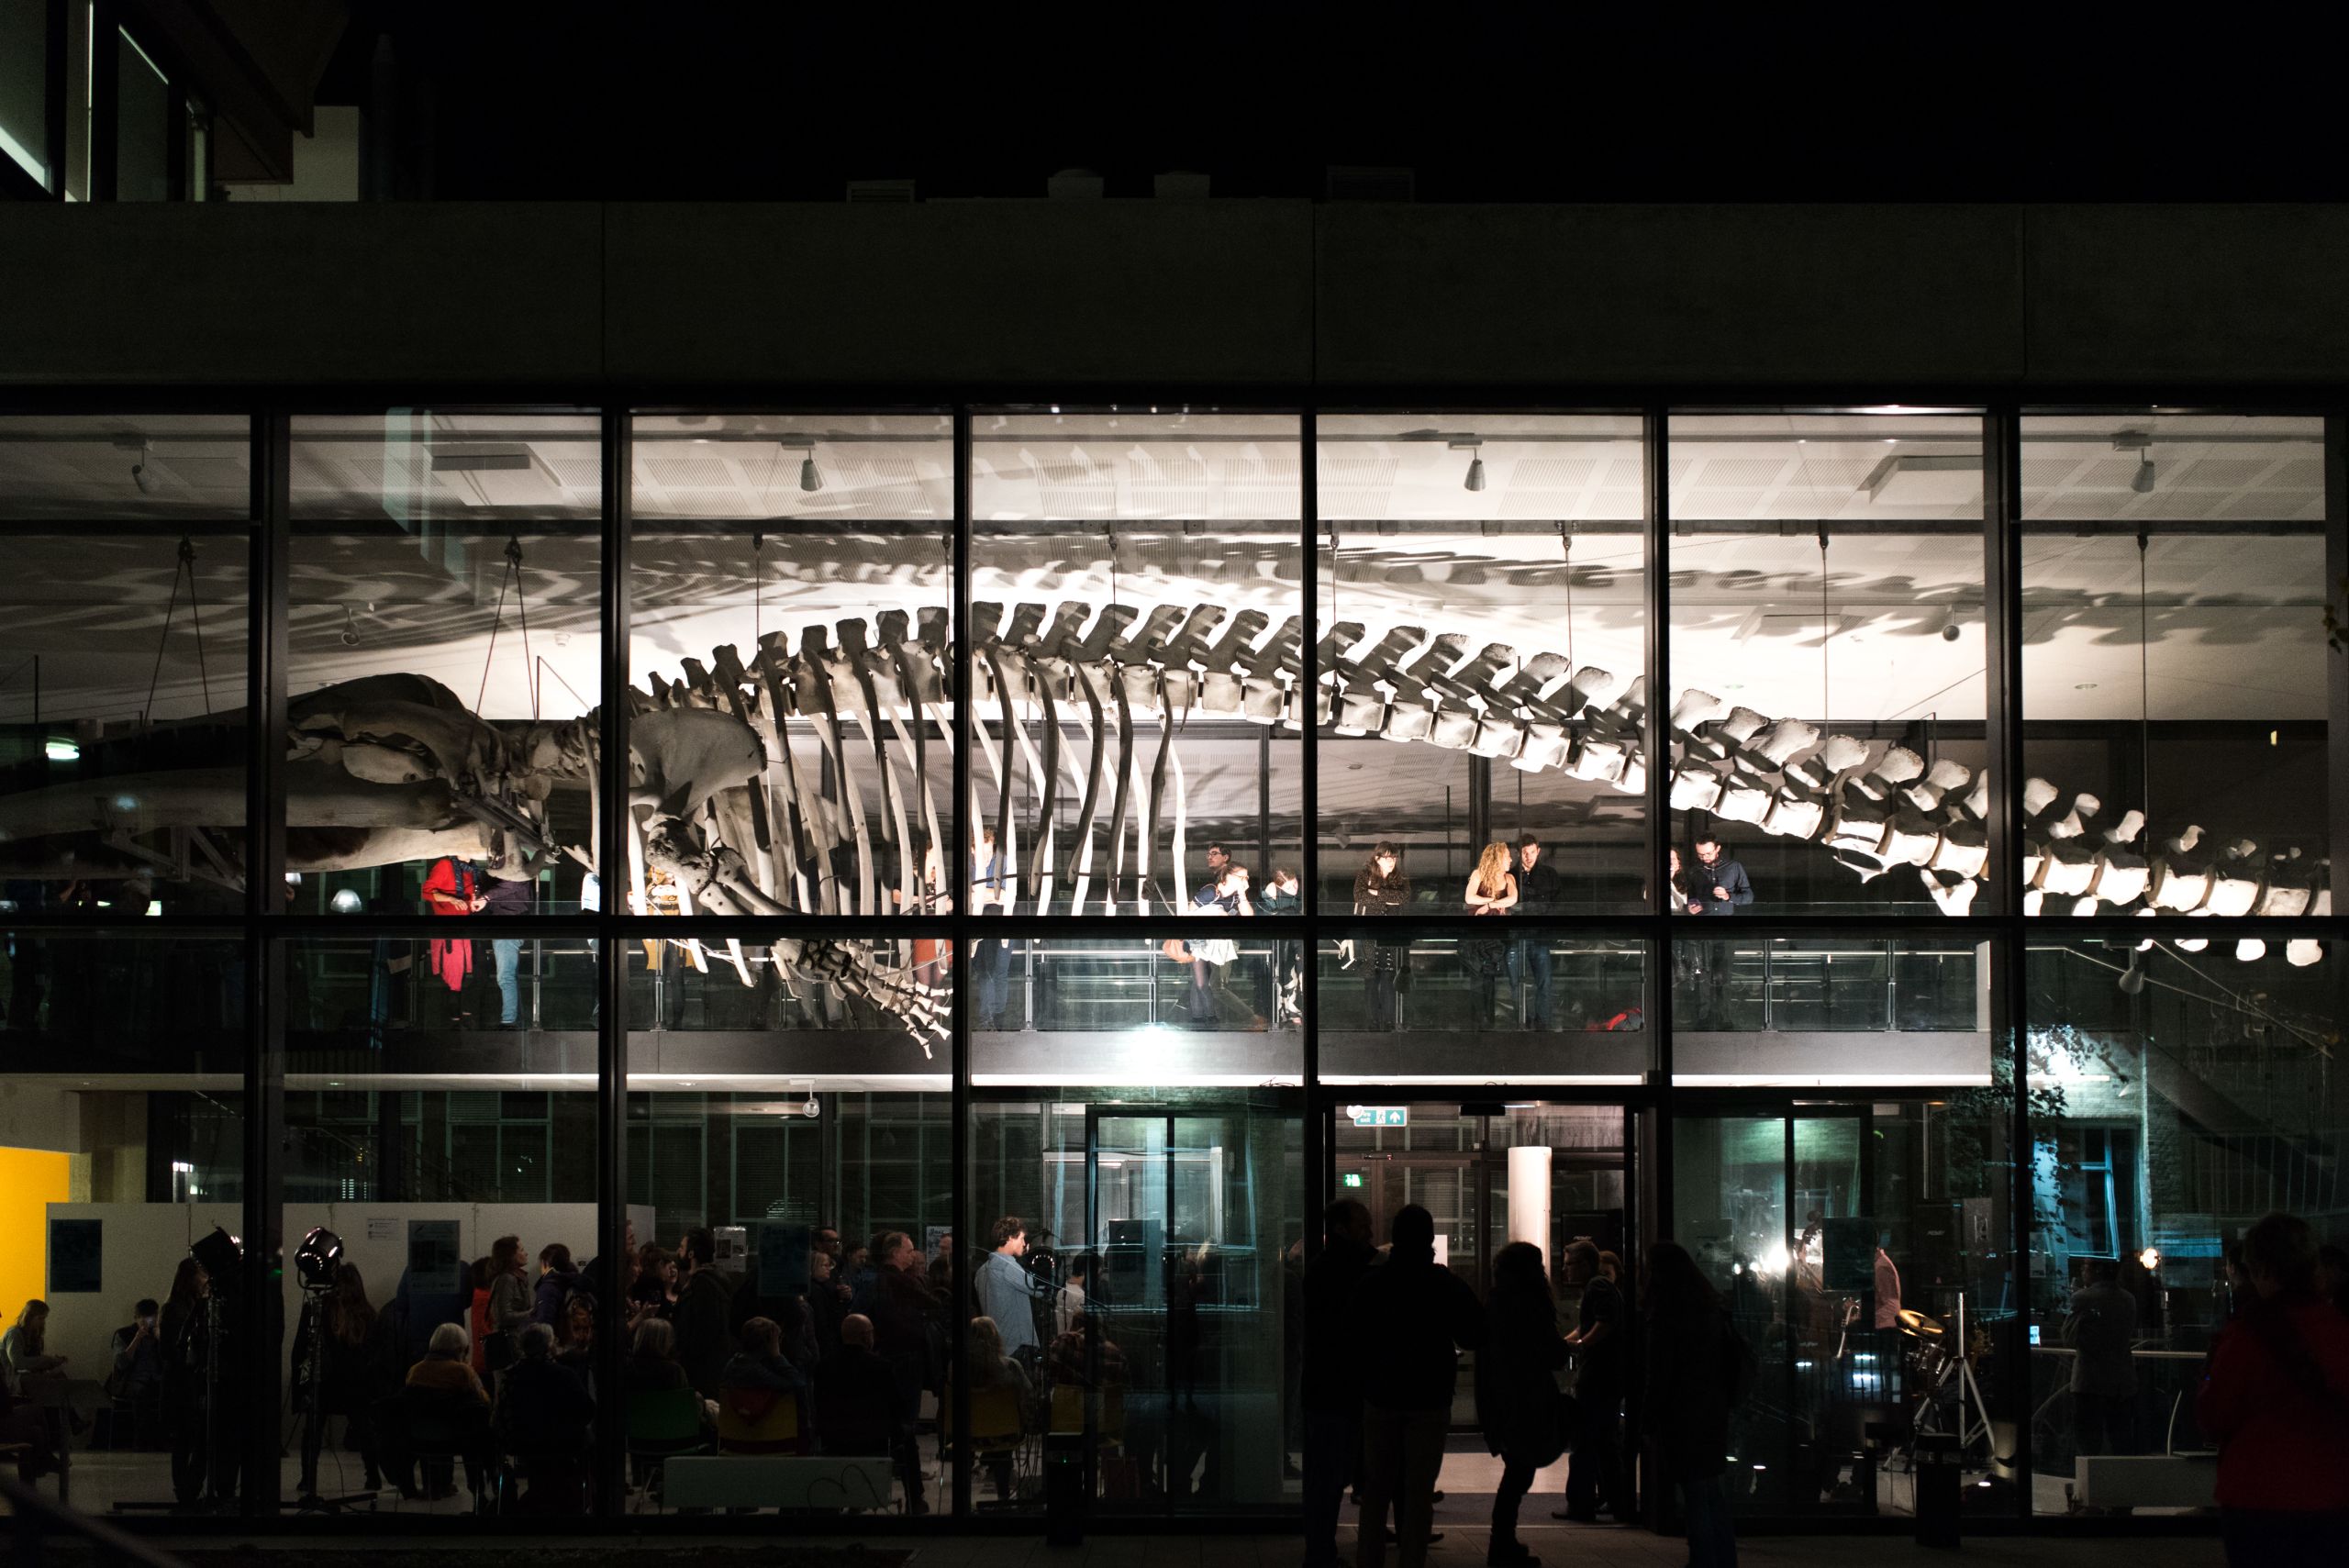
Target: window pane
1532, 1007
122, 721
1823, 1011
1150, 1306
23, 86
1206, 1005
121, 1152
143, 122
133, 466
2174, 675
413, 1145
445, 663
1135, 648
799, 568
1827, 656
1481, 578
2179, 1090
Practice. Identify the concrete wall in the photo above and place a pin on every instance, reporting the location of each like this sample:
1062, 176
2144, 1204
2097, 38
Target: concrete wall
948, 297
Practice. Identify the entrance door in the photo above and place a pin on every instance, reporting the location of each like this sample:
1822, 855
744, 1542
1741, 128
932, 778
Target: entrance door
1184, 1401
1774, 1207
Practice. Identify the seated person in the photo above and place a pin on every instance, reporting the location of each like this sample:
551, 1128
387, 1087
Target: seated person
856, 1393
541, 1409
544, 1418
1084, 1356
653, 1366
135, 1385
758, 1377
443, 1407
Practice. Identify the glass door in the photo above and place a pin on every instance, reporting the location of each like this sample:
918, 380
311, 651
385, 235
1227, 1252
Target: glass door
1775, 1208
1183, 1391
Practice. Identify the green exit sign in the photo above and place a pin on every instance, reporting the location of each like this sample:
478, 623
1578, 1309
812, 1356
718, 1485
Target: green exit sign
1382, 1116
1350, 1179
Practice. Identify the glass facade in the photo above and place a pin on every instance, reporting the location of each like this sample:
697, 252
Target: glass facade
1028, 1037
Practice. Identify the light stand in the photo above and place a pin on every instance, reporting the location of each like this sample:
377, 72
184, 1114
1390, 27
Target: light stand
316, 1261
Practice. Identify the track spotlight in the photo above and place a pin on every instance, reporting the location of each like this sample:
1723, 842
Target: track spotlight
2302, 951
809, 480
1476, 480
139, 472
2192, 944
2141, 482
2132, 979
2251, 950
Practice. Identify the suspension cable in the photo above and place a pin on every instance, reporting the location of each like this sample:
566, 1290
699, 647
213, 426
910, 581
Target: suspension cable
185, 571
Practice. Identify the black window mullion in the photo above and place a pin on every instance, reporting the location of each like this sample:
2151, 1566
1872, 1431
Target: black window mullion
612, 827
958, 860
268, 593
1655, 472
1317, 1127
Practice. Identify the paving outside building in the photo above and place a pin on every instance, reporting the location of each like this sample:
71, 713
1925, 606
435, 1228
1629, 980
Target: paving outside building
795, 842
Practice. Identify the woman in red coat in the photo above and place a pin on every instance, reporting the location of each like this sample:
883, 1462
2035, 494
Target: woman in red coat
2276, 1399
449, 889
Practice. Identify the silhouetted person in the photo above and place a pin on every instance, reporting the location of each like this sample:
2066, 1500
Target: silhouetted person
2101, 1327
856, 1395
2277, 1402
704, 1316
1517, 1395
1694, 1365
1403, 1322
1331, 1387
1594, 1481
899, 1314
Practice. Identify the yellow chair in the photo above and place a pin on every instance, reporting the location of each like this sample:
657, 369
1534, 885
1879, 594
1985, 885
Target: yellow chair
758, 1420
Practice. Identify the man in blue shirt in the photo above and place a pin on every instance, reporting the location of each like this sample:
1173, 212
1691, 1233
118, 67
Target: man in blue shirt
1008, 1291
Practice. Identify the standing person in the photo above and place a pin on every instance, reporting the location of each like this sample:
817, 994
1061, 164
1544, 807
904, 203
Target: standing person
511, 1301
357, 1365
186, 1328
449, 889
1718, 889
504, 896
990, 956
1381, 888
1210, 888
557, 1280
1492, 890
1539, 892
1331, 1387
1696, 1367
1006, 1291
1517, 1395
1403, 1322
1595, 1480
899, 1311
1284, 895
2276, 1399
703, 1319
2101, 1327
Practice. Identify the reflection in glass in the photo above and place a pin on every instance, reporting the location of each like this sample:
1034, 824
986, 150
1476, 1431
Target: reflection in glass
1135, 650
123, 1148
2173, 679
792, 574
122, 718
1158, 1235
1829, 1010
2179, 1090
444, 637
1828, 654
1192, 1008
1861, 1251
1483, 597
143, 126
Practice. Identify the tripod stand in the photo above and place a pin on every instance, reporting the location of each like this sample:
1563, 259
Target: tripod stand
1973, 1415
313, 1333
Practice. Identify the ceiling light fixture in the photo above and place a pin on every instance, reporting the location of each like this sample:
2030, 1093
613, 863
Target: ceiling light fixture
2141, 443
139, 471
61, 749
809, 480
2141, 482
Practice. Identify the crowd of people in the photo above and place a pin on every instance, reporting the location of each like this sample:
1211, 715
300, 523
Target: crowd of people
1379, 1406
